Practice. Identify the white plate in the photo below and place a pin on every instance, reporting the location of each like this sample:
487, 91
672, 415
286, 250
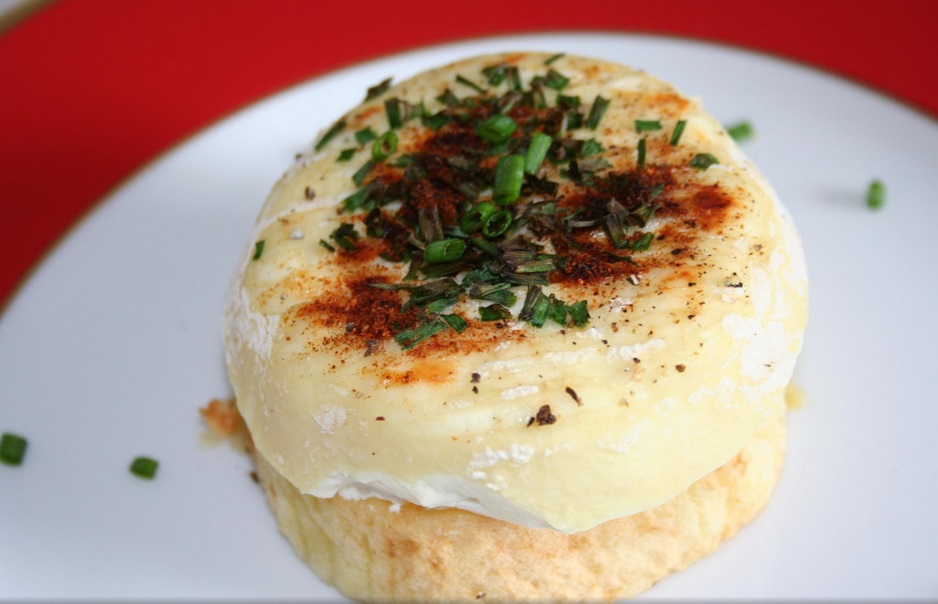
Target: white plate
112, 346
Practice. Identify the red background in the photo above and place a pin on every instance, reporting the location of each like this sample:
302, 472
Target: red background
91, 91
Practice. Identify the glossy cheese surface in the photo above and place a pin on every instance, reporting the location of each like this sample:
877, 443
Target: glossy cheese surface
693, 329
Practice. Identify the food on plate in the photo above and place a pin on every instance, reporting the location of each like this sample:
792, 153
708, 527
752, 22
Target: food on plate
518, 327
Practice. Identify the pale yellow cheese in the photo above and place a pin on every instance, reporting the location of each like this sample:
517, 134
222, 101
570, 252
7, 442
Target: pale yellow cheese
677, 368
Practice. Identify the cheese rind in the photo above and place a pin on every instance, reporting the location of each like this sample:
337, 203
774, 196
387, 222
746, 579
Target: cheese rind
684, 356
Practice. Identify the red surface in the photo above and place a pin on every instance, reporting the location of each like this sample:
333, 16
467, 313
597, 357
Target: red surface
92, 91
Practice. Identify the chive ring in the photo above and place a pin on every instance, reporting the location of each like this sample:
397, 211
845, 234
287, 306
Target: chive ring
445, 250
473, 220
497, 223
384, 146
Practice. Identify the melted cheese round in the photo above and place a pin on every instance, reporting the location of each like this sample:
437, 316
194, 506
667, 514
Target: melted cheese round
689, 346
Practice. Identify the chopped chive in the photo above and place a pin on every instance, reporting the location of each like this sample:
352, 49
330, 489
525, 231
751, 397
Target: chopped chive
536, 152
12, 448
436, 120
702, 161
365, 136
557, 310
678, 131
409, 338
345, 235
554, 58
144, 467
473, 220
497, 129
641, 153
392, 107
647, 125
530, 298
457, 323
330, 134
615, 231
579, 314
378, 89
740, 132
509, 176
514, 78
258, 249
486, 246
644, 242
384, 146
568, 102
591, 147
539, 311
362, 172
875, 195
354, 201
469, 83
444, 250
596, 112
346, 154
494, 312
326, 245
496, 224
495, 74
555, 80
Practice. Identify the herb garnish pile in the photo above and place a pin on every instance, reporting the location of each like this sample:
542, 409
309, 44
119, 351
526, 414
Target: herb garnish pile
478, 208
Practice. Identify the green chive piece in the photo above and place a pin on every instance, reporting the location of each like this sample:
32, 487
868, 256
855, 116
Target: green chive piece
702, 161
359, 176
740, 131
615, 231
647, 125
457, 323
557, 310
345, 236
346, 154
393, 109
579, 313
536, 152
12, 448
258, 250
444, 250
678, 131
876, 195
365, 136
326, 245
596, 112
509, 176
591, 147
641, 153
530, 298
469, 83
497, 129
473, 220
411, 337
144, 467
384, 146
554, 58
436, 120
378, 89
539, 312
494, 312
555, 80
644, 242
496, 224
330, 134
